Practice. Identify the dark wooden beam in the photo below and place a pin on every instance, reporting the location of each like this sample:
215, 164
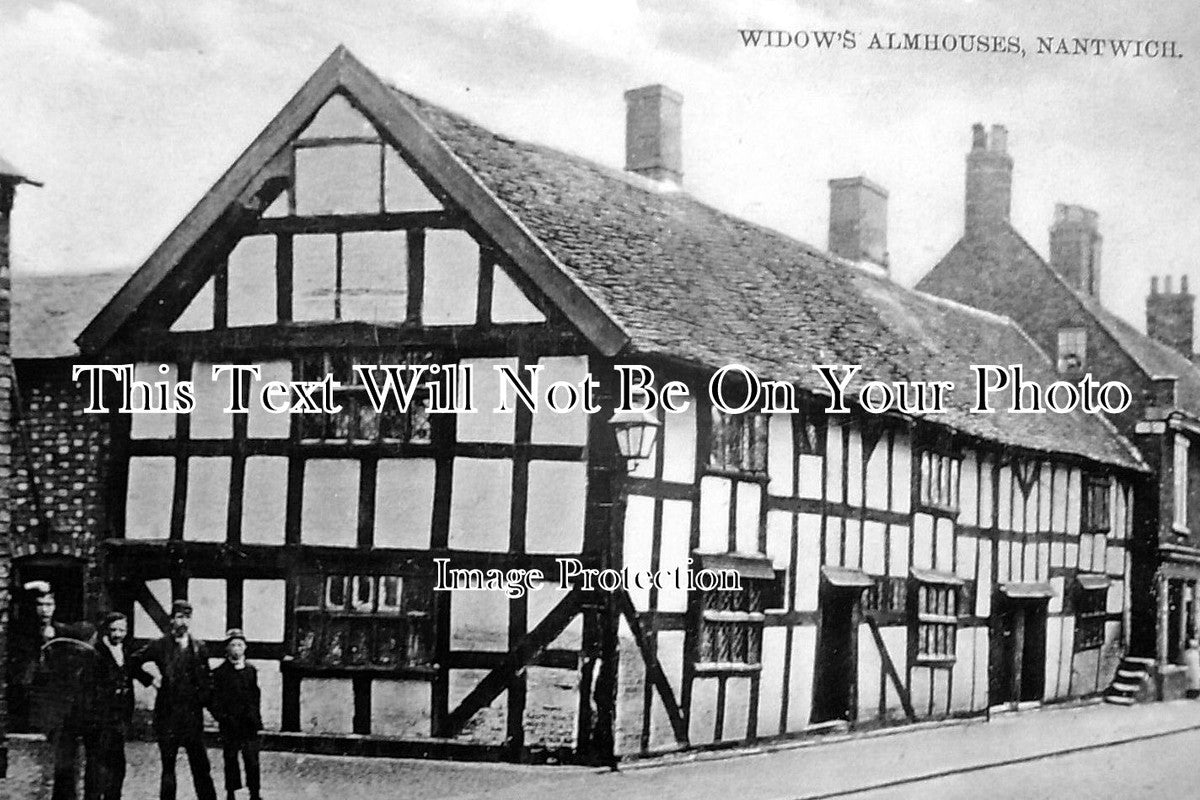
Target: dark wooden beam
496, 681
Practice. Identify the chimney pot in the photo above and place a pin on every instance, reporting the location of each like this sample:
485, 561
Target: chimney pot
653, 133
999, 142
989, 180
1170, 316
858, 220
1075, 246
978, 137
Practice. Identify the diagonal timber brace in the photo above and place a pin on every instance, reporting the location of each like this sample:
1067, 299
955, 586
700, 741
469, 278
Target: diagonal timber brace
498, 680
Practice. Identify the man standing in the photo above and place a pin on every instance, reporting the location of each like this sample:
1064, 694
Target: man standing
183, 692
49, 679
112, 712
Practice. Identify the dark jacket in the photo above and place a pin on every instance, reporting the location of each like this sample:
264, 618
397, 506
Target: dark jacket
51, 682
185, 691
236, 701
112, 691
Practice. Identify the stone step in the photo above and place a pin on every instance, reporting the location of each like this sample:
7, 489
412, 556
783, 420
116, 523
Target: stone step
1131, 674
1118, 699
1125, 688
1148, 662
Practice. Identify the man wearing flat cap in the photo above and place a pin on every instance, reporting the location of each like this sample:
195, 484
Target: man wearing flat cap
183, 692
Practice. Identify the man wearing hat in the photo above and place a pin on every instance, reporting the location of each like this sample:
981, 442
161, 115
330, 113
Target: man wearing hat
183, 692
112, 711
46, 684
237, 707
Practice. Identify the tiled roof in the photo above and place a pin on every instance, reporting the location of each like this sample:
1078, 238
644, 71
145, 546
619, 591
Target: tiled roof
50, 309
983, 267
687, 281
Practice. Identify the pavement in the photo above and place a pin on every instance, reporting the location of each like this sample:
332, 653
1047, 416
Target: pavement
1037, 749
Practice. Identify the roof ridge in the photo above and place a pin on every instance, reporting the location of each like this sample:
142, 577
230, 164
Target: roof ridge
1105, 318
657, 188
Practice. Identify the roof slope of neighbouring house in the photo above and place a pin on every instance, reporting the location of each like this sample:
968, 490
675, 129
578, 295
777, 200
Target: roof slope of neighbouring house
49, 309
1001, 263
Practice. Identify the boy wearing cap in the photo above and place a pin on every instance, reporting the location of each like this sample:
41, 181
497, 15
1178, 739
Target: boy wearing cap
236, 706
183, 692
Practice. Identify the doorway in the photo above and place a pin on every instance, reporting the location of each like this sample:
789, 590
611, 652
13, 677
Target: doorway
835, 682
1018, 650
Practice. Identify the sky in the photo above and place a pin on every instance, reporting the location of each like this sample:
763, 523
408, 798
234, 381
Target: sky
129, 110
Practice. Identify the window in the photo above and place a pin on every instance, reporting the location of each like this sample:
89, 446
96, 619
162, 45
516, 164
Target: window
1180, 464
1072, 349
363, 621
939, 480
739, 442
809, 431
1090, 615
358, 421
1095, 505
936, 621
731, 627
888, 595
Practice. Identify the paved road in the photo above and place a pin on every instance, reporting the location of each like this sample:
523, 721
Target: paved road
1118, 753
1163, 767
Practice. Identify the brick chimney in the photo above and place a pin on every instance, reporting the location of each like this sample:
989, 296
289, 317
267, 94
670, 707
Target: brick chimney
989, 179
1075, 247
858, 220
653, 133
10, 178
1170, 315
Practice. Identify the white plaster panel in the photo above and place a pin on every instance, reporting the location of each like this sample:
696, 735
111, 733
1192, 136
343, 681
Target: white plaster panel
151, 487
676, 547
329, 514
404, 502
749, 514
207, 507
478, 620
480, 504
486, 424
714, 513
401, 708
209, 420
157, 425
451, 275
780, 458
570, 427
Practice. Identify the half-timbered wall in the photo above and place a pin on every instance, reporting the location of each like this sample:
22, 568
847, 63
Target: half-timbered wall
941, 530
316, 533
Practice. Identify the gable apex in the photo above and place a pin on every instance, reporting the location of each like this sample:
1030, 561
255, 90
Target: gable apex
240, 191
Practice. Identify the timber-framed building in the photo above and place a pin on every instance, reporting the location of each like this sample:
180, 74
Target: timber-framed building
894, 568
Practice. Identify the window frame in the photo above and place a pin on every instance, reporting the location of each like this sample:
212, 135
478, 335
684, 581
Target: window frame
1094, 488
730, 620
1065, 335
1091, 615
928, 626
415, 425
751, 430
347, 637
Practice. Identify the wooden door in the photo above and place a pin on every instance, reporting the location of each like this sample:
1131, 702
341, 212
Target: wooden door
836, 679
